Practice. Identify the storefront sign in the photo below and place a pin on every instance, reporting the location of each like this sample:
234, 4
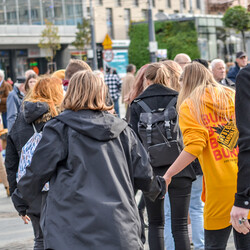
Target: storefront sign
119, 61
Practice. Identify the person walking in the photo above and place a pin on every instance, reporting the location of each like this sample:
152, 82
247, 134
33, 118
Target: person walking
93, 162
14, 101
207, 121
114, 84
127, 83
196, 205
39, 106
157, 95
5, 89
240, 210
240, 62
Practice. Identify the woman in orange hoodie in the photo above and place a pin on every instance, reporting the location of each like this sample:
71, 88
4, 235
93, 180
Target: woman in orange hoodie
207, 121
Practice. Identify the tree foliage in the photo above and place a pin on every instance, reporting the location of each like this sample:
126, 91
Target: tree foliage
237, 18
83, 35
50, 39
176, 37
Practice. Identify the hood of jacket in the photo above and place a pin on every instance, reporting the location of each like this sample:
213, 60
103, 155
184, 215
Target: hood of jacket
98, 125
34, 110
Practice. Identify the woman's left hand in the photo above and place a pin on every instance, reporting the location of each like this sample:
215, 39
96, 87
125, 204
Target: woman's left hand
25, 218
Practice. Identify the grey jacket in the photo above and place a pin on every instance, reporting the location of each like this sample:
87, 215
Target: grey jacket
94, 162
14, 102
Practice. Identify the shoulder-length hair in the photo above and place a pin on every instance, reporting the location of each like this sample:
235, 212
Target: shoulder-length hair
48, 90
26, 84
197, 82
86, 91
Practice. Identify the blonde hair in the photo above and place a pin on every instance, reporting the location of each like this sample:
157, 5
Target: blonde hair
86, 91
197, 82
175, 71
48, 90
158, 73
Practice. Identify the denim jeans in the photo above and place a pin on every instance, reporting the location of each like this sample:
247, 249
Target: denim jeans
196, 216
116, 106
217, 239
4, 117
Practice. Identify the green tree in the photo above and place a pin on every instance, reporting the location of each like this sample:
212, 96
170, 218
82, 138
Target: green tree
237, 18
176, 37
50, 40
83, 35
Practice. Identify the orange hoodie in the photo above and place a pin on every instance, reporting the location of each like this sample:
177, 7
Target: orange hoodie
215, 145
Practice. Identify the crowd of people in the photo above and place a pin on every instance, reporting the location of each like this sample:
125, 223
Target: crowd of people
95, 162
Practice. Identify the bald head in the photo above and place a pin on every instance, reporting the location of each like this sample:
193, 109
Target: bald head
182, 59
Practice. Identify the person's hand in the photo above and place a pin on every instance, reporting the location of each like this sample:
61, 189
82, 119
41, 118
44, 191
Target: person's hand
239, 219
167, 180
26, 219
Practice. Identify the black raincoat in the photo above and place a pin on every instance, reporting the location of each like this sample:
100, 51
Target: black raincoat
94, 162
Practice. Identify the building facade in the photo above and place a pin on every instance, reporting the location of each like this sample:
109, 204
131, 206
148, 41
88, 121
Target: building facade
22, 21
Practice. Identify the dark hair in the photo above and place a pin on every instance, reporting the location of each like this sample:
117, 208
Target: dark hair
201, 61
26, 84
130, 68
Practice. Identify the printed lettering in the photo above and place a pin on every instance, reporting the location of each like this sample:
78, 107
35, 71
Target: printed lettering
214, 143
217, 155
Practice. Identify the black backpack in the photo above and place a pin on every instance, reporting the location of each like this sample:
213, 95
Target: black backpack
160, 134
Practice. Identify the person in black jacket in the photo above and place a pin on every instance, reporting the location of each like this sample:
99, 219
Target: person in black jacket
240, 210
157, 95
40, 106
93, 161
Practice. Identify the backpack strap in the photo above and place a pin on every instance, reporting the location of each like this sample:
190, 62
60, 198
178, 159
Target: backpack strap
146, 108
167, 120
35, 131
172, 102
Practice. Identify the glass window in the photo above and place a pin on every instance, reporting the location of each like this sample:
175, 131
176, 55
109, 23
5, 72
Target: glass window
35, 12
109, 22
2, 19
47, 10
11, 12
184, 4
23, 10
198, 4
118, 3
69, 12
78, 11
136, 2
144, 14
169, 4
127, 17
100, 2
58, 12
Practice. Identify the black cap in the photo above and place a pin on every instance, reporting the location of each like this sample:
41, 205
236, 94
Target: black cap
20, 79
240, 54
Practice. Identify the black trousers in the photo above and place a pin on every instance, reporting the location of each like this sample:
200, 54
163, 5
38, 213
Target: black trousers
38, 240
179, 194
217, 239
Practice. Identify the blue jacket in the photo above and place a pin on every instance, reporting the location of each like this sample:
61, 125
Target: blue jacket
14, 102
233, 72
